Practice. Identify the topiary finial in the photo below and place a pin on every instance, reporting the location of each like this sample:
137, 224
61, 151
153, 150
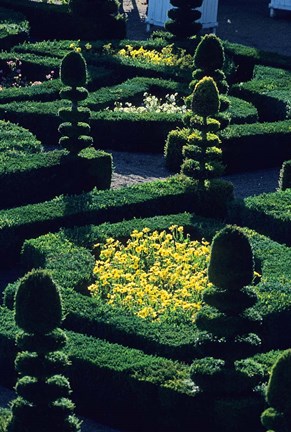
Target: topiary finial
73, 70
231, 263
37, 303
205, 100
209, 53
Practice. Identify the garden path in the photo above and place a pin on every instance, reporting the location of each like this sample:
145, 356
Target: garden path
241, 21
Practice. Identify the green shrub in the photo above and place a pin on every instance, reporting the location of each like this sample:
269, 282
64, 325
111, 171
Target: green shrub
227, 317
278, 416
202, 153
75, 129
285, 176
45, 175
268, 213
42, 402
183, 17
14, 28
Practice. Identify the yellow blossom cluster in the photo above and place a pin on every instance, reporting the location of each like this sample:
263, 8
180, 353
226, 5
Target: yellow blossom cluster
165, 57
158, 276
76, 46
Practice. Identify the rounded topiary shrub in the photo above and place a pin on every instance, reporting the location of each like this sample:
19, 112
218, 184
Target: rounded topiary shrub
228, 322
73, 70
43, 403
205, 98
37, 304
231, 263
278, 416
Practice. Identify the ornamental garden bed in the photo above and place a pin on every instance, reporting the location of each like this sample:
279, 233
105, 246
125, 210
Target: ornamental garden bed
127, 359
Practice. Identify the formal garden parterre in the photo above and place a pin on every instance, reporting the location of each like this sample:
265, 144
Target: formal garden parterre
133, 320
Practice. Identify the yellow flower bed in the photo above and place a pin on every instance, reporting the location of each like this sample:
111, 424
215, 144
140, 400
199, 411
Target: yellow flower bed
165, 57
157, 276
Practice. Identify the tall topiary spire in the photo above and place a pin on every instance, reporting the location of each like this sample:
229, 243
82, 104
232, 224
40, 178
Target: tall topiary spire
278, 417
228, 321
202, 153
43, 403
75, 129
209, 61
183, 18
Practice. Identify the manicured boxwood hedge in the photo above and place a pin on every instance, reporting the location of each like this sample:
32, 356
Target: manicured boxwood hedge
67, 255
147, 199
268, 213
16, 141
285, 176
110, 382
14, 28
54, 21
45, 175
269, 91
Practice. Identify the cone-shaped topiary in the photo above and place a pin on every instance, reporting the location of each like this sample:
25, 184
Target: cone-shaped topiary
75, 129
202, 155
43, 403
183, 18
228, 321
278, 417
208, 61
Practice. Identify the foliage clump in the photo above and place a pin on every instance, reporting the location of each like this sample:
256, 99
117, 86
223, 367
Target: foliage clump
209, 61
285, 176
43, 403
228, 322
75, 129
278, 416
183, 18
202, 153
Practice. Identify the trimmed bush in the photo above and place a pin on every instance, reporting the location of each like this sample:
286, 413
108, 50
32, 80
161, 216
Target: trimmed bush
43, 393
75, 129
268, 213
278, 416
45, 175
209, 61
285, 176
183, 18
202, 153
14, 28
149, 199
228, 319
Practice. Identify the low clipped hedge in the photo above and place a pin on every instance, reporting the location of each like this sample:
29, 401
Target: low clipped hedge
270, 87
120, 130
268, 213
68, 256
247, 146
14, 28
16, 141
143, 200
54, 21
110, 382
45, 175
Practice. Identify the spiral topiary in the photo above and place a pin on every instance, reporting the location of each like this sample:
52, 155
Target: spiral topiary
75, 129
228, 322
278, 417
202, 154
43, 403
183, 18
